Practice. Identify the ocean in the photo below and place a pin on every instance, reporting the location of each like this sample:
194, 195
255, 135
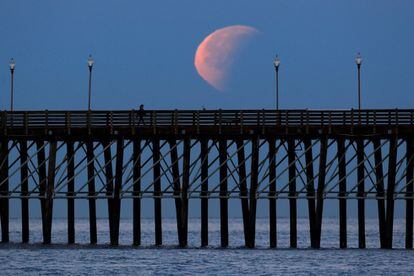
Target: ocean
81, 258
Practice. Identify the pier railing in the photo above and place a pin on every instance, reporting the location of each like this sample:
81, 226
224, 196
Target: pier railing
150, 118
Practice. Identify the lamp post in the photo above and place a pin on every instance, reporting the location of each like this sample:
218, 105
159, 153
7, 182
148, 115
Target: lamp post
12, 65
358, 61
276, 63
90, 66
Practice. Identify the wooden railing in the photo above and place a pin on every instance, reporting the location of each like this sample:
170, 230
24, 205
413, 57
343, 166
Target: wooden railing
149, 118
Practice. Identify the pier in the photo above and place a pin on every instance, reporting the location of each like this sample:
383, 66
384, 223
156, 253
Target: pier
189, 155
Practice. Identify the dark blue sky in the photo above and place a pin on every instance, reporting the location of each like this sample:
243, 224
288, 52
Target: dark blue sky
144, 53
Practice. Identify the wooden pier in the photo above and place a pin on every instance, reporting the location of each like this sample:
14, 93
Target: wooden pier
188, 155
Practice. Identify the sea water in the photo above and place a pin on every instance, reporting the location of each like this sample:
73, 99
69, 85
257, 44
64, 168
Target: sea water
82, 258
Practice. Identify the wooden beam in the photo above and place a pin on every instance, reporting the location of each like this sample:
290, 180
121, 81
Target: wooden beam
41, 165
392, 159
118, 186
157, 191
380, 192
292, 192
184, 191
243, 189
204, 191
223, 194
272, 194
109, 177
361, 193
409, 194
342, 193
310, 188
91, 192
253, 190
71, 191
4, 189
136, 175
49, 192
320, 190
177, 187
24, 173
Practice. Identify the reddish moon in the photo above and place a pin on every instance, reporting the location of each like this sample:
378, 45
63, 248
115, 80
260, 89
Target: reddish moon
217, 52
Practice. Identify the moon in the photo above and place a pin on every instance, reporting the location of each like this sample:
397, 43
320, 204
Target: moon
217, 52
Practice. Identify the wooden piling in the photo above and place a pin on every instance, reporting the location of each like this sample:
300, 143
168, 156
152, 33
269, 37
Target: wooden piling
204, 191
157, 191
117, 191
91, 192
272, 194
292, 192
109, 177
50, 185
136, 176
24, 173
361, 193
184, 191
380, 192
253, 191
392, 159
223, 194
243, 189
320, 190
4, 188
41, 165
342, 193
71, 191
177, 188
409, 194
310, 190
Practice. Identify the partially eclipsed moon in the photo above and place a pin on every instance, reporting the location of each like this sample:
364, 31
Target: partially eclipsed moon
215, 55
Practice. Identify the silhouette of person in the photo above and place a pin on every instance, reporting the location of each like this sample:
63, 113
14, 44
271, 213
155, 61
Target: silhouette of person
141, 114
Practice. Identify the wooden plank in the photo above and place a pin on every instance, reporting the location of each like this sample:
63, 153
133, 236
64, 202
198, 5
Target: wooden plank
49, 192
253, 189
320, 190
24, 173
409, 194
41, 166
361, 191
392, 159
224, 231
310, 188
157, 191
272, 193
380, 192
204, 191
70, 192
4, 188
243, 189
342, 193
177, 187
184, 195
91, 192
292, 193
136, 175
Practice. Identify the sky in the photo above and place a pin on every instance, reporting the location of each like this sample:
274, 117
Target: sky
144, 53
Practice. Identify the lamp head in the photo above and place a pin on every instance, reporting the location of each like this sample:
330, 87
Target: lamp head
12, 64
276, 63
90, 61
358, 59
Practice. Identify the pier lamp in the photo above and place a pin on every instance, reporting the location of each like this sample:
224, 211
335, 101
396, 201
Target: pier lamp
12, 65
90, 66
358, 61
276, 63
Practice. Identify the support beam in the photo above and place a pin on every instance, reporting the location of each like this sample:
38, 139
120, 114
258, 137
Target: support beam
223, 194
41, 166
109, 177
184, 191
409, 194
292, 192
390, 191
272, 194
4, 188
117, 191
24, 172
241, 159
71, 191
204, 191
177, 187
91, 192
320, 190
136, 201
380, 192
310, 188
157, 191
342, 193
47, 238
361, 192
253, 189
